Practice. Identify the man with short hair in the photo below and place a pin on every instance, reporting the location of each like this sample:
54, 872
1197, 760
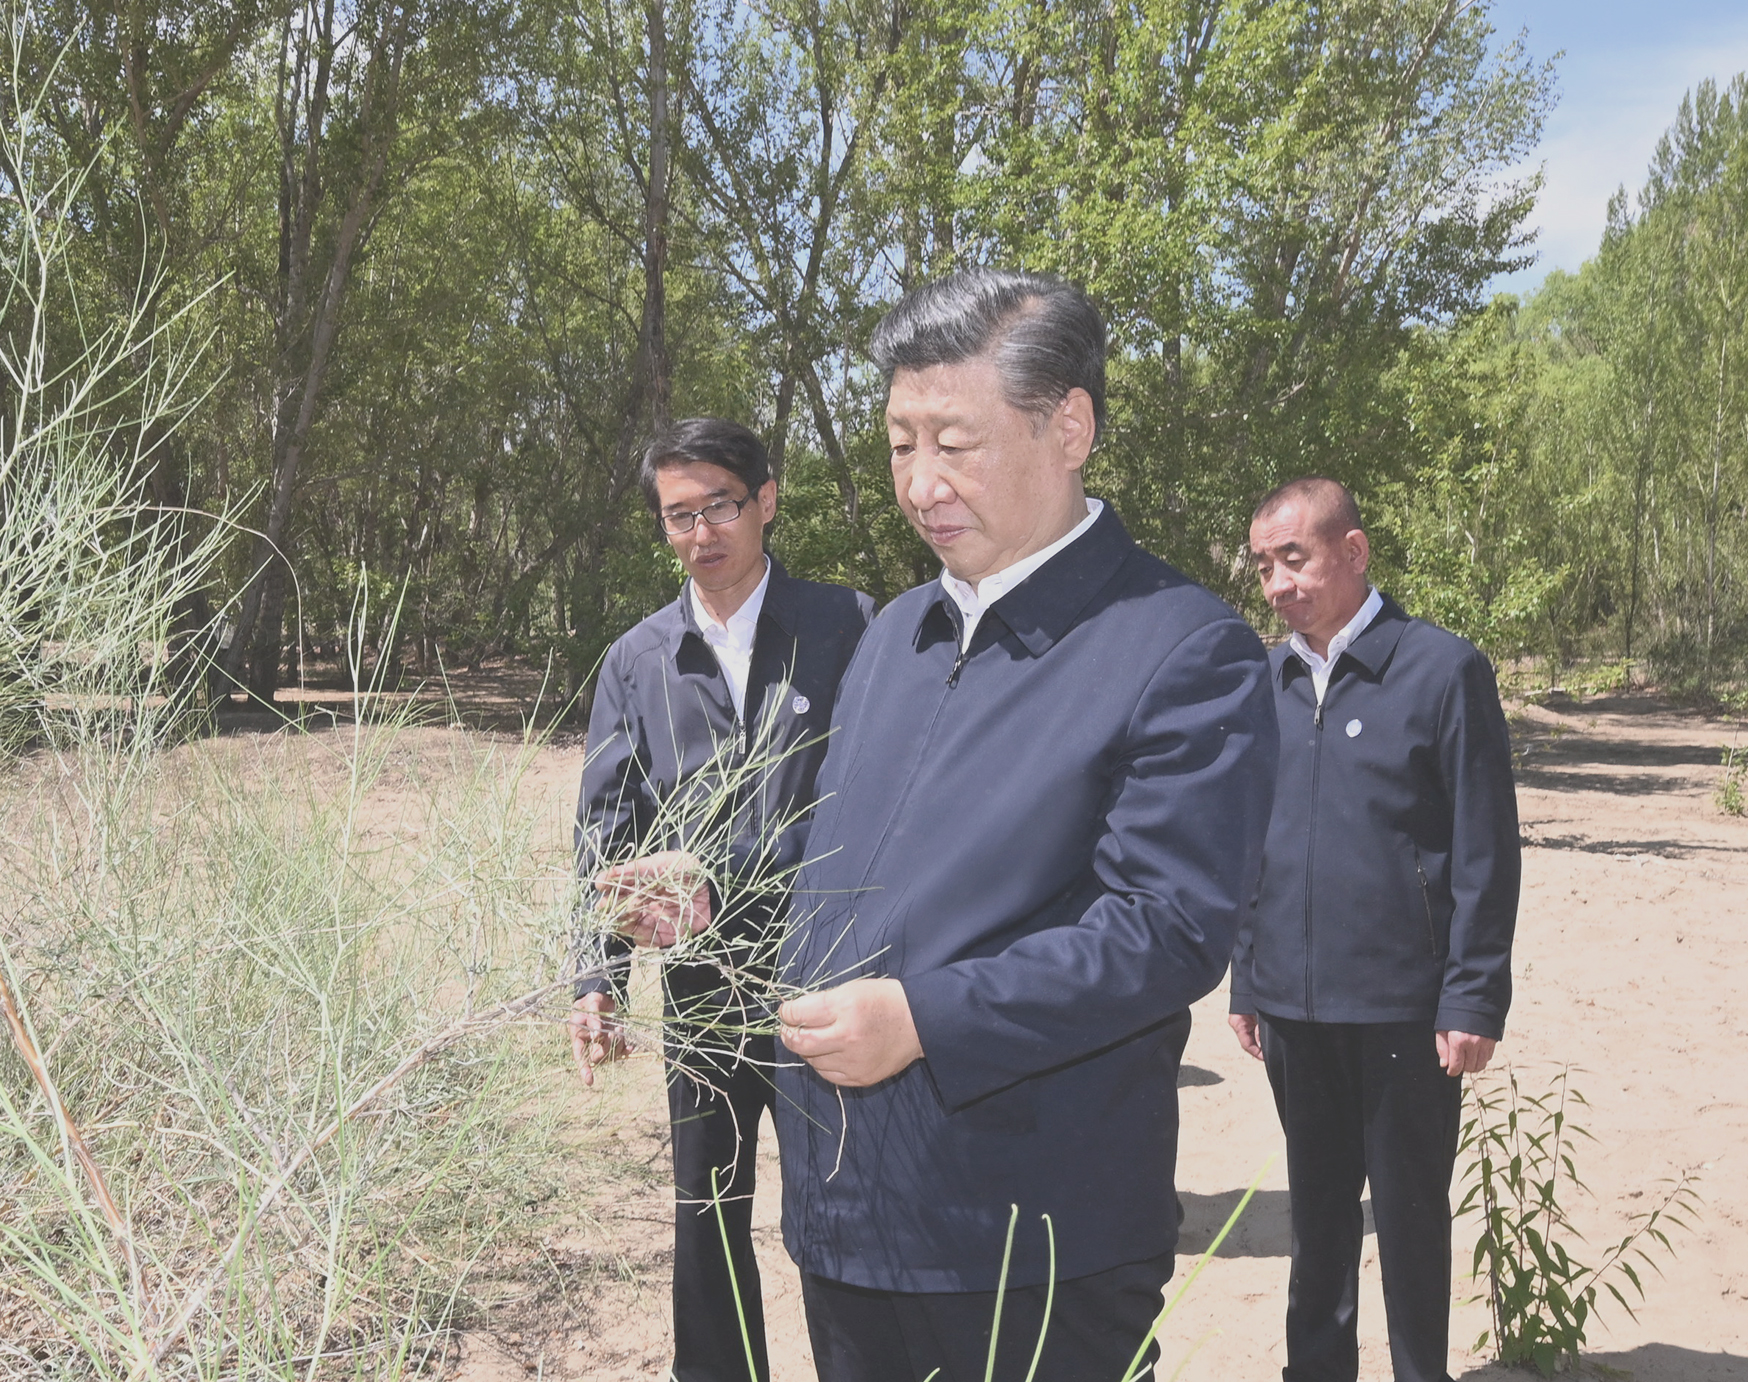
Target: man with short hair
709, 724
1041, 809
1374, 970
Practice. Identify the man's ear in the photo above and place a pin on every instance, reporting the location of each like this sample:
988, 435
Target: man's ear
1075, 427
767, 501
1359, 548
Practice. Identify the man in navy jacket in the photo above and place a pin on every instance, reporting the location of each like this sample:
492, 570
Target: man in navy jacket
1040, 813
707, 730
1375, 967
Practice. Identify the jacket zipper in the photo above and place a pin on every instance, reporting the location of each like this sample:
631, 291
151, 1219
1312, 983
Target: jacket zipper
1310, 853
1426, 899
878, 852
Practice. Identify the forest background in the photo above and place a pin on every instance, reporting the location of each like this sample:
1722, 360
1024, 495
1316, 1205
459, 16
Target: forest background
448, 265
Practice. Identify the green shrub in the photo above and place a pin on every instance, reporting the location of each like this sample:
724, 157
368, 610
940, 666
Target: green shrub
1542, 1297
1729, 795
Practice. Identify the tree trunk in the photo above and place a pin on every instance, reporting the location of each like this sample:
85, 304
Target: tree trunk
1712, 502
306, 338
648, 399
652, 338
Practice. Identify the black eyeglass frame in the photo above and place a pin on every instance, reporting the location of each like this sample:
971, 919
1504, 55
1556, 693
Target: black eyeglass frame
664, 520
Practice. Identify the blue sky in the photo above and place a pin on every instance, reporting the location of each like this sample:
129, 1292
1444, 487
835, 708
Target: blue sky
1625, 69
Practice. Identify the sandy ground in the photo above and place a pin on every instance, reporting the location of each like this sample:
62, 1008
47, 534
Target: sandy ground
1631, 969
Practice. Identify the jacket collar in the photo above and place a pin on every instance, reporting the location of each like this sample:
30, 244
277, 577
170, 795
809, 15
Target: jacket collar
779, 607
1371, 648
1047, 604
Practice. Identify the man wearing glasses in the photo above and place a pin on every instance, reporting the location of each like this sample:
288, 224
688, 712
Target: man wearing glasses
708, 726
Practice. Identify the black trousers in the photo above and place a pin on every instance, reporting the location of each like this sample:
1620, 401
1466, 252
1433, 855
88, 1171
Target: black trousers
715, 1105
1366, 1102
1096, 1325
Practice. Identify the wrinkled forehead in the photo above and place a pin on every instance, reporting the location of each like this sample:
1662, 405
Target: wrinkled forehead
935, 395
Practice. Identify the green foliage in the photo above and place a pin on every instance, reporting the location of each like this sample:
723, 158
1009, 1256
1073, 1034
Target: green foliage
1730, 797
1522, 1173
1460, 540
1634, 480
1288, 212
1265, 199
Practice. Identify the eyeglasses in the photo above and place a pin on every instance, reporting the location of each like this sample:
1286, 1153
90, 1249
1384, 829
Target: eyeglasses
715, 513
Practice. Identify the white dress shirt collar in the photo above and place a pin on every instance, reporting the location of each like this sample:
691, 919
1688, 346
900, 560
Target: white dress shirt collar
733, 642
973, 601
1321, 667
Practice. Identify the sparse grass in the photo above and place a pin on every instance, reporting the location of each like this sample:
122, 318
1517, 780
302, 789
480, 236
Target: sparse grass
1538, 679
297, 1030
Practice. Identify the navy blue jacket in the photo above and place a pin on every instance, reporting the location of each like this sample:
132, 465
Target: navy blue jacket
1389, 886
1048, 842
664, 739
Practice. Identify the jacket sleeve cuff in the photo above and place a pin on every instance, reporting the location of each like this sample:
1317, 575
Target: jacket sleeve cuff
1475, 1021
936, 998
1243, 1000
606, 970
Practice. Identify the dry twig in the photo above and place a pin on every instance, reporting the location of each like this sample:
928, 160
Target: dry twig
23, 1039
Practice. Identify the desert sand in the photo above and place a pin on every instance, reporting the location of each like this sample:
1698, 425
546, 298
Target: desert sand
1631, 969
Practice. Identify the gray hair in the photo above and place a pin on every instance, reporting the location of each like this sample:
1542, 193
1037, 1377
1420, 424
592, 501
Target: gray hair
1043, 335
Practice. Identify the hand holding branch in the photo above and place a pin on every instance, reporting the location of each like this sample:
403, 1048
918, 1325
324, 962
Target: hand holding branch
662, 898
857, 1034
597, 1035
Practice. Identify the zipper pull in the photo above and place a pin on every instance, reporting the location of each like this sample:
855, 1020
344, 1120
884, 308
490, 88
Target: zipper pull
958, 663
1317, 719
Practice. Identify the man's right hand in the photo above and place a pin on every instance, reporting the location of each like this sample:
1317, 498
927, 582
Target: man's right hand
596, 1033
1249, 1036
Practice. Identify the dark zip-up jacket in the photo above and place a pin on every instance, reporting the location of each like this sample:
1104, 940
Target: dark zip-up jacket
664, 740
1389, 886
1048, 841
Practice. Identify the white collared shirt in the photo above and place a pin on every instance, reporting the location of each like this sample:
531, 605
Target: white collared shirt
1322, 666
733, 642
972, 601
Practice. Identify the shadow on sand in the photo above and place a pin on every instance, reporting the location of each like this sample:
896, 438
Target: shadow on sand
1646, 1363
1264, 1230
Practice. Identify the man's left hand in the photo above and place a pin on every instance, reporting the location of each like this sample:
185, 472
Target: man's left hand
857, 1034
1463, 1053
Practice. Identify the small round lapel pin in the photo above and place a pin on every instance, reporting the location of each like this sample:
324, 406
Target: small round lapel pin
1353, 729
801, 705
